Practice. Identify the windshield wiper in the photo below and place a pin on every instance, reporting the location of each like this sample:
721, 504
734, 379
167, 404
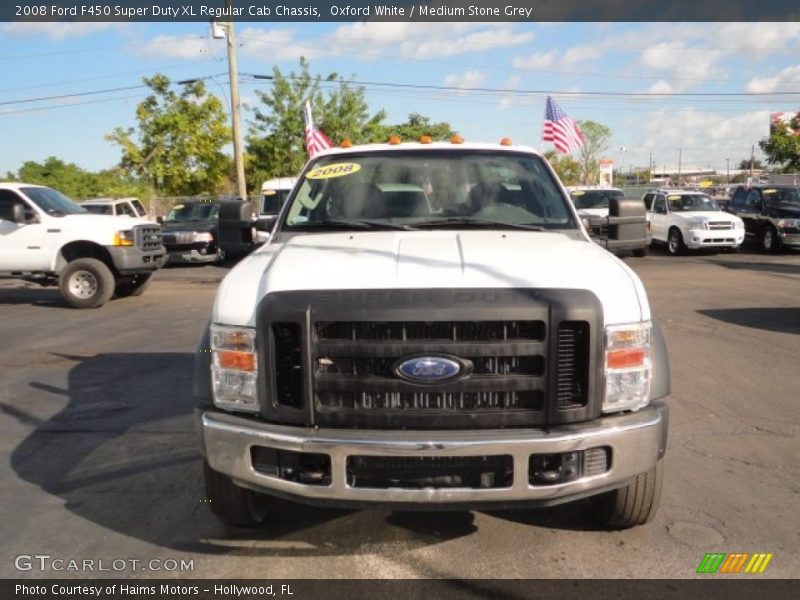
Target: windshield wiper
350, 224
477, 223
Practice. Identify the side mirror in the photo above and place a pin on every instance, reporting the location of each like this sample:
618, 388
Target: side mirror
19, 214
160, 220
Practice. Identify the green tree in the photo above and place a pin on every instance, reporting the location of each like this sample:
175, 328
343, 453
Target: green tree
567, 168
177, 144
597, 136
782, 147
415, 127
275, 144
54, 172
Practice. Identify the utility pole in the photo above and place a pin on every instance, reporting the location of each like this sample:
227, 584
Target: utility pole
236, 120
728, 170
752, 158
680, 154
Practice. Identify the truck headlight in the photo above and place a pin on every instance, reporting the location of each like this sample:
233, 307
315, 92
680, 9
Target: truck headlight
698, 225
784, 223
234, 368
203, 237
628, 369
124, 238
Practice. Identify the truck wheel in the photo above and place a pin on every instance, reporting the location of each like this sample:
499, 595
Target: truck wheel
641, 252
770, 242
675, 245
86, 283
634, 504
133, 286
232, 504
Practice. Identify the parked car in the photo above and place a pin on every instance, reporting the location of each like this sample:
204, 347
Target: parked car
119, 207
48, 239
381, 352
592, 204
273, 195
190, 232
690, 220
771, 214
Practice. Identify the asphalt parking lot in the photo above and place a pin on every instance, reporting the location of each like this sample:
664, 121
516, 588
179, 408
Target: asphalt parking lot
99, 460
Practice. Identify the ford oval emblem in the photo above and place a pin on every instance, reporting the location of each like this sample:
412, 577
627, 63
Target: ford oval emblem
428, 369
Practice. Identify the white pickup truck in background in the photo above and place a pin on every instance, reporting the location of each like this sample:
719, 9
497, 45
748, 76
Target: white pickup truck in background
48, 239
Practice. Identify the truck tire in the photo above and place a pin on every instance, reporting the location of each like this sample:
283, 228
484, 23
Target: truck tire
232, 504
770, 242
86, 283
675, 245
133, 286
634, 504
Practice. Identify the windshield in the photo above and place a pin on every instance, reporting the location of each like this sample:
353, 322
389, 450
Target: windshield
782, 196
691, 202
272, 201
97, 209
432, 189
594, 198
52, 201
193, 211
139, 208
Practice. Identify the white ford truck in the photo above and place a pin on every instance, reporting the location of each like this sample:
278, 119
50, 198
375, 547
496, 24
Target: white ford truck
430, 326
46, 238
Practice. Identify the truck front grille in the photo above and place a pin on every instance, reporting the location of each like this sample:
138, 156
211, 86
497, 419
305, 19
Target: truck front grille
148, 238
179, 238
720, 225
327, 365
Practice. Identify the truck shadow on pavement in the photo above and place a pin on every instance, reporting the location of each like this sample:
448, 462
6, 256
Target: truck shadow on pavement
122, 454
780, 319
34, 296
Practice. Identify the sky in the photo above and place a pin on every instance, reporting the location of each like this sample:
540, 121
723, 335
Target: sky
574, 61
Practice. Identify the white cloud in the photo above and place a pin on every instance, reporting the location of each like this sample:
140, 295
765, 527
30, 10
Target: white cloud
463, 81
56, 31
787, 80
706, 137
180, 46
272, 45
422, 40
661, 87
580, 54
538, 60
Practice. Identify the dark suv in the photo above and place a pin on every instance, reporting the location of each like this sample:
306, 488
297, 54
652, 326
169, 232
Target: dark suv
190, 232
771, 214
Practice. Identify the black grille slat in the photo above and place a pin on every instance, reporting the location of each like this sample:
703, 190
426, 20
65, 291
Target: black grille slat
572, 359
417, 472
288, 363
433, 401
532, 366
455, 331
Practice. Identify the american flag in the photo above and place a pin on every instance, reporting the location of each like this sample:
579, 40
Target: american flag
560, 129
316, 141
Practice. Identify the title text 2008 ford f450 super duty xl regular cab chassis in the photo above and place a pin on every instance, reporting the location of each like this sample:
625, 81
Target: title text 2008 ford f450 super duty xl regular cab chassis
429, 327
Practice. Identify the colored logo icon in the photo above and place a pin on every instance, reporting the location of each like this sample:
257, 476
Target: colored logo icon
737, 562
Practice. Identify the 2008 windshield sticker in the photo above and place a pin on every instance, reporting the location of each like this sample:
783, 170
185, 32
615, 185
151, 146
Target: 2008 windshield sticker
335, 170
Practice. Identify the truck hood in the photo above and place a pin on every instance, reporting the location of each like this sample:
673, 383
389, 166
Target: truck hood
707, 215
593, 212
103, 222
435, 259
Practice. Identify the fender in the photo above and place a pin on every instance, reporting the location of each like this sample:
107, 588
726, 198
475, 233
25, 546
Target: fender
660, 386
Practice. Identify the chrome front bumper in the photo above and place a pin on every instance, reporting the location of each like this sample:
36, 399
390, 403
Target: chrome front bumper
637, 442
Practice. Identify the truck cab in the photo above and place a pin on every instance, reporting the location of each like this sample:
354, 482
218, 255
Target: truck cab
430, 326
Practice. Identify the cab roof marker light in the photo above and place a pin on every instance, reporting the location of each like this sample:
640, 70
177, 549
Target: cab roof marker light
346, 144
394, 140
425, 139
506, 141
456, 139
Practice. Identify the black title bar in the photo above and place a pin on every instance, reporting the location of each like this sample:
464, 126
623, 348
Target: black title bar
400, 11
